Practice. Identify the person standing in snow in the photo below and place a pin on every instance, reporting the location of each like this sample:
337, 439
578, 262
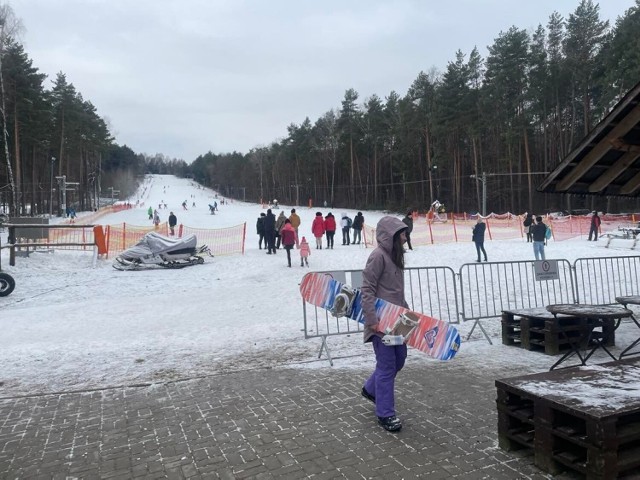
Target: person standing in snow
383, 277
173, 221
295, 220
150, 213
595, 226
305, 252
156, 219
358, 223
317, 228
270, 232
346, 223
279, 224
260, 231
477, 236
330, 229
539, 233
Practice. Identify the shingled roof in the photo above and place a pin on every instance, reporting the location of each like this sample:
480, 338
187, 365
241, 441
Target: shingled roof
607, 161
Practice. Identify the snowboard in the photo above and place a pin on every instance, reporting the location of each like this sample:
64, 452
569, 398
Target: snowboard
436, 338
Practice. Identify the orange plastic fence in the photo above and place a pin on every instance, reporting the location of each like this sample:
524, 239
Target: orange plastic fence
122, 236
447, 228
77, 234
221, 241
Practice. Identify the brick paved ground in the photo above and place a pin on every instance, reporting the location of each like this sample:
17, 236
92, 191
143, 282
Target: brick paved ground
272, 423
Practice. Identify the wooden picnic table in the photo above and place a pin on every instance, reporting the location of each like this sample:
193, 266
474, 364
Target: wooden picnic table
599, 316
624, 301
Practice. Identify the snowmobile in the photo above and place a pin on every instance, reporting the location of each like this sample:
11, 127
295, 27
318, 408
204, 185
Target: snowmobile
156, 250
7, 284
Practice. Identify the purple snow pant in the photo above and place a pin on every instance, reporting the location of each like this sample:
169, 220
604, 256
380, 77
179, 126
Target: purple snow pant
389, 361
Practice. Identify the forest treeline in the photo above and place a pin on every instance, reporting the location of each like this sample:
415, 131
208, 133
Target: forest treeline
489, 126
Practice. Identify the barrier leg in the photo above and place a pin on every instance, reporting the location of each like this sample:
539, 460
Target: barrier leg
325, 346
484, 332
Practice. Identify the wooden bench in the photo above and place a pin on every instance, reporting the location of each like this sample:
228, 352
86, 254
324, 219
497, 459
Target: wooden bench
568, 424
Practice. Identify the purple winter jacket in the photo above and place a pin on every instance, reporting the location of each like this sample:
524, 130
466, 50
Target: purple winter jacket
381, 278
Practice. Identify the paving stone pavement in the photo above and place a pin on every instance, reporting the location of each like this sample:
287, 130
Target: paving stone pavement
284, 423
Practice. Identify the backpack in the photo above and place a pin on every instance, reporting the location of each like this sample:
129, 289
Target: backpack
547, 233
349, 222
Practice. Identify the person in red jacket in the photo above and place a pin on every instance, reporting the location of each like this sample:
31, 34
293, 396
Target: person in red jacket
317, 228
595, 226
330, 229
288, 238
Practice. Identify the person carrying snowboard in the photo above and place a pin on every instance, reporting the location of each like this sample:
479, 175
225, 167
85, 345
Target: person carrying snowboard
383, 277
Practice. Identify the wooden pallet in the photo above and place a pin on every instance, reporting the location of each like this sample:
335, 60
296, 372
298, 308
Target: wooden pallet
538, 330
599, 441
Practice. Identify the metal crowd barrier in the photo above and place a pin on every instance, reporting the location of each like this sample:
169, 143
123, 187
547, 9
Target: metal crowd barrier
481, 291
600, 280
489, 288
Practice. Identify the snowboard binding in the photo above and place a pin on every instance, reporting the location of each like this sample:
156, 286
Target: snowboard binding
342, 304
404, 326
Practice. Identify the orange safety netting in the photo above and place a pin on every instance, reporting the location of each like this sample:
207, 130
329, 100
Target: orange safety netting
122, 236
79, 234
221, 241
449, 227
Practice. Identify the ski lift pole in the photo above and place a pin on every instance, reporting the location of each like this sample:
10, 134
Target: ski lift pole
483, 179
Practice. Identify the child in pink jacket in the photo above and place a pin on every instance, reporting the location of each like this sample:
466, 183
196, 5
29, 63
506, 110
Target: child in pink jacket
305, 251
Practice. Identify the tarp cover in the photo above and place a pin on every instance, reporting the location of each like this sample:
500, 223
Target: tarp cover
155, 244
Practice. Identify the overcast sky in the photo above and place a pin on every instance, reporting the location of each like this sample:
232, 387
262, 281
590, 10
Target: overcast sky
184, 77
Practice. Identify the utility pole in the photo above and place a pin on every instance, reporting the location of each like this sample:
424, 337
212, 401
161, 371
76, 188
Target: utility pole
62, 182
483, 179
53, 161
113, 192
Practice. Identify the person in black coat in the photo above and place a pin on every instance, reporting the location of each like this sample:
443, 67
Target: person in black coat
408, 220
270, 232
173, 221
260, 231
528, 226
539, 232
478, 238
357, 225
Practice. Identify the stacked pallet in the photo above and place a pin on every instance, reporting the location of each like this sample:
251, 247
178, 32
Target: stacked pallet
584, 419
537, 329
